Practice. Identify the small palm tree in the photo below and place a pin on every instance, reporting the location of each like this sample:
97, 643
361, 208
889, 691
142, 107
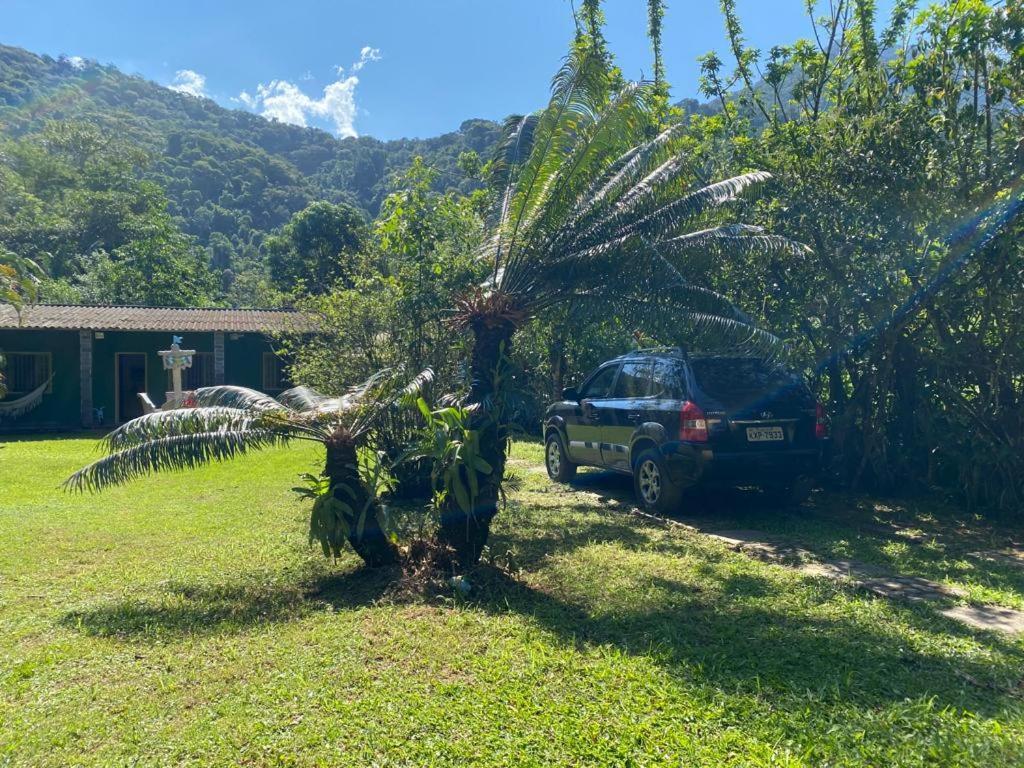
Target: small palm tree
228, 421
592, 207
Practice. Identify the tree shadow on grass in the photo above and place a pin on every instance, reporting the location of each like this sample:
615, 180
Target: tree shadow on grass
731, 640
932, 539
611, 488
920, 537
721, 628
182, 609
739, 632
716, 626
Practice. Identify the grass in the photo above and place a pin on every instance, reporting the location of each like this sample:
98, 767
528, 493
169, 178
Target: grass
183, 620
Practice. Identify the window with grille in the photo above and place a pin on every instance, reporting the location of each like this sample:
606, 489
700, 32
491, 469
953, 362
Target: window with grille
25, 371
275, 376
199, 375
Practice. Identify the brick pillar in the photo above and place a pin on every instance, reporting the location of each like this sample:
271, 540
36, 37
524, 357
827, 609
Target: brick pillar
85, 376
218, 357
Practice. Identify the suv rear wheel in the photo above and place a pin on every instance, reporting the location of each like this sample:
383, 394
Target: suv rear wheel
560, 469
655, 491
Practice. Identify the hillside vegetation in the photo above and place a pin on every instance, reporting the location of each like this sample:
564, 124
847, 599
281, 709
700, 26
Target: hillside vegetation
224, 177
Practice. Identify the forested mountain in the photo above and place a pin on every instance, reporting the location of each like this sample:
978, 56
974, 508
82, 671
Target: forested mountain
224, 171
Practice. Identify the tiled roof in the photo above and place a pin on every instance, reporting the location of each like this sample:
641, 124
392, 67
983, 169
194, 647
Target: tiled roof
113, 318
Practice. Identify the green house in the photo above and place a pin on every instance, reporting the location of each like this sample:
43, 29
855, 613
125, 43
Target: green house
83, 367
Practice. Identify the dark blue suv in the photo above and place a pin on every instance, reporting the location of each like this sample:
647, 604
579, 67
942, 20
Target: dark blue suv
674, 421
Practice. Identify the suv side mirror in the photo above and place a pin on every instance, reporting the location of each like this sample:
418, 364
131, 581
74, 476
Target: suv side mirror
570, 393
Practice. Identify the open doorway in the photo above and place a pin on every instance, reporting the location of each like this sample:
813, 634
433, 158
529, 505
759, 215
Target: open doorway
131, 379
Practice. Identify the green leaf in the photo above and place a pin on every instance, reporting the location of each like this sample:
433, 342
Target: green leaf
461, 496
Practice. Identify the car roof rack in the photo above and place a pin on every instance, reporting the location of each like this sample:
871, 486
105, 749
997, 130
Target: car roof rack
675, 351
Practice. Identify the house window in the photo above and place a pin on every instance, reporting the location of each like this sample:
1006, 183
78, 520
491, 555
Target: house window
27, 370
198, 376
275, 377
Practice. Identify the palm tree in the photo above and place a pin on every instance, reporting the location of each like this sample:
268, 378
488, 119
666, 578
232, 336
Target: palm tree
19, 277
228, 421
592, 208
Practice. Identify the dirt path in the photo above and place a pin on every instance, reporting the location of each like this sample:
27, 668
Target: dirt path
872, 578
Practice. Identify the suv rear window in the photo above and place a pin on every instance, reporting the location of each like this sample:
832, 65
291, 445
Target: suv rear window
733, 381
666, 380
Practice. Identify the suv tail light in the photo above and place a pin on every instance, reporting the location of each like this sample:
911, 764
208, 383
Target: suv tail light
693, 427
820, 422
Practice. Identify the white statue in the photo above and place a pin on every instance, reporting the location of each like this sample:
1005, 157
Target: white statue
175, 359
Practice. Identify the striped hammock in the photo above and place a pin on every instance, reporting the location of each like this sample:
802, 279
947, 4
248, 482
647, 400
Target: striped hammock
12, 409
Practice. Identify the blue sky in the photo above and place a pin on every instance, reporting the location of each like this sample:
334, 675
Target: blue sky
410, 67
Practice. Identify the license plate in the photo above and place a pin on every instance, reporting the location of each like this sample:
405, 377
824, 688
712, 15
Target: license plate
765, 434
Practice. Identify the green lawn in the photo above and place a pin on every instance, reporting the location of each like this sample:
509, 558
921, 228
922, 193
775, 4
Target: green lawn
185, 621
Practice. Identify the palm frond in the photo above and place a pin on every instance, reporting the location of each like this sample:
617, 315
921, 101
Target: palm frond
516, 144
577, 93
668, 218
650, 168
184, 421
185, 451
620, 123
235, 397
634, 162
415, 387
735, 239
304, 400
593, 205
714, 331
385, 390
680, 292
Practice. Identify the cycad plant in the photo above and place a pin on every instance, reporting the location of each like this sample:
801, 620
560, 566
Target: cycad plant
228, 421
591, 207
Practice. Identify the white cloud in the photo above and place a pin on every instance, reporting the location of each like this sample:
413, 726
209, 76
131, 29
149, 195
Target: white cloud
284, 101
76, 62
246, 98
366, 55
190, 82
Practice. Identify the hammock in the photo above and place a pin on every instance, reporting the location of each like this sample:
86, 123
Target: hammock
12, 409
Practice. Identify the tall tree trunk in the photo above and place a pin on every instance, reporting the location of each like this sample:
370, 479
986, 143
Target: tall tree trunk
369, 540
467, 534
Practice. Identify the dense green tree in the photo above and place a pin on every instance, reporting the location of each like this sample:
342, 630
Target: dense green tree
395, 310
162, 268
899, 162
73, 202
317, 247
